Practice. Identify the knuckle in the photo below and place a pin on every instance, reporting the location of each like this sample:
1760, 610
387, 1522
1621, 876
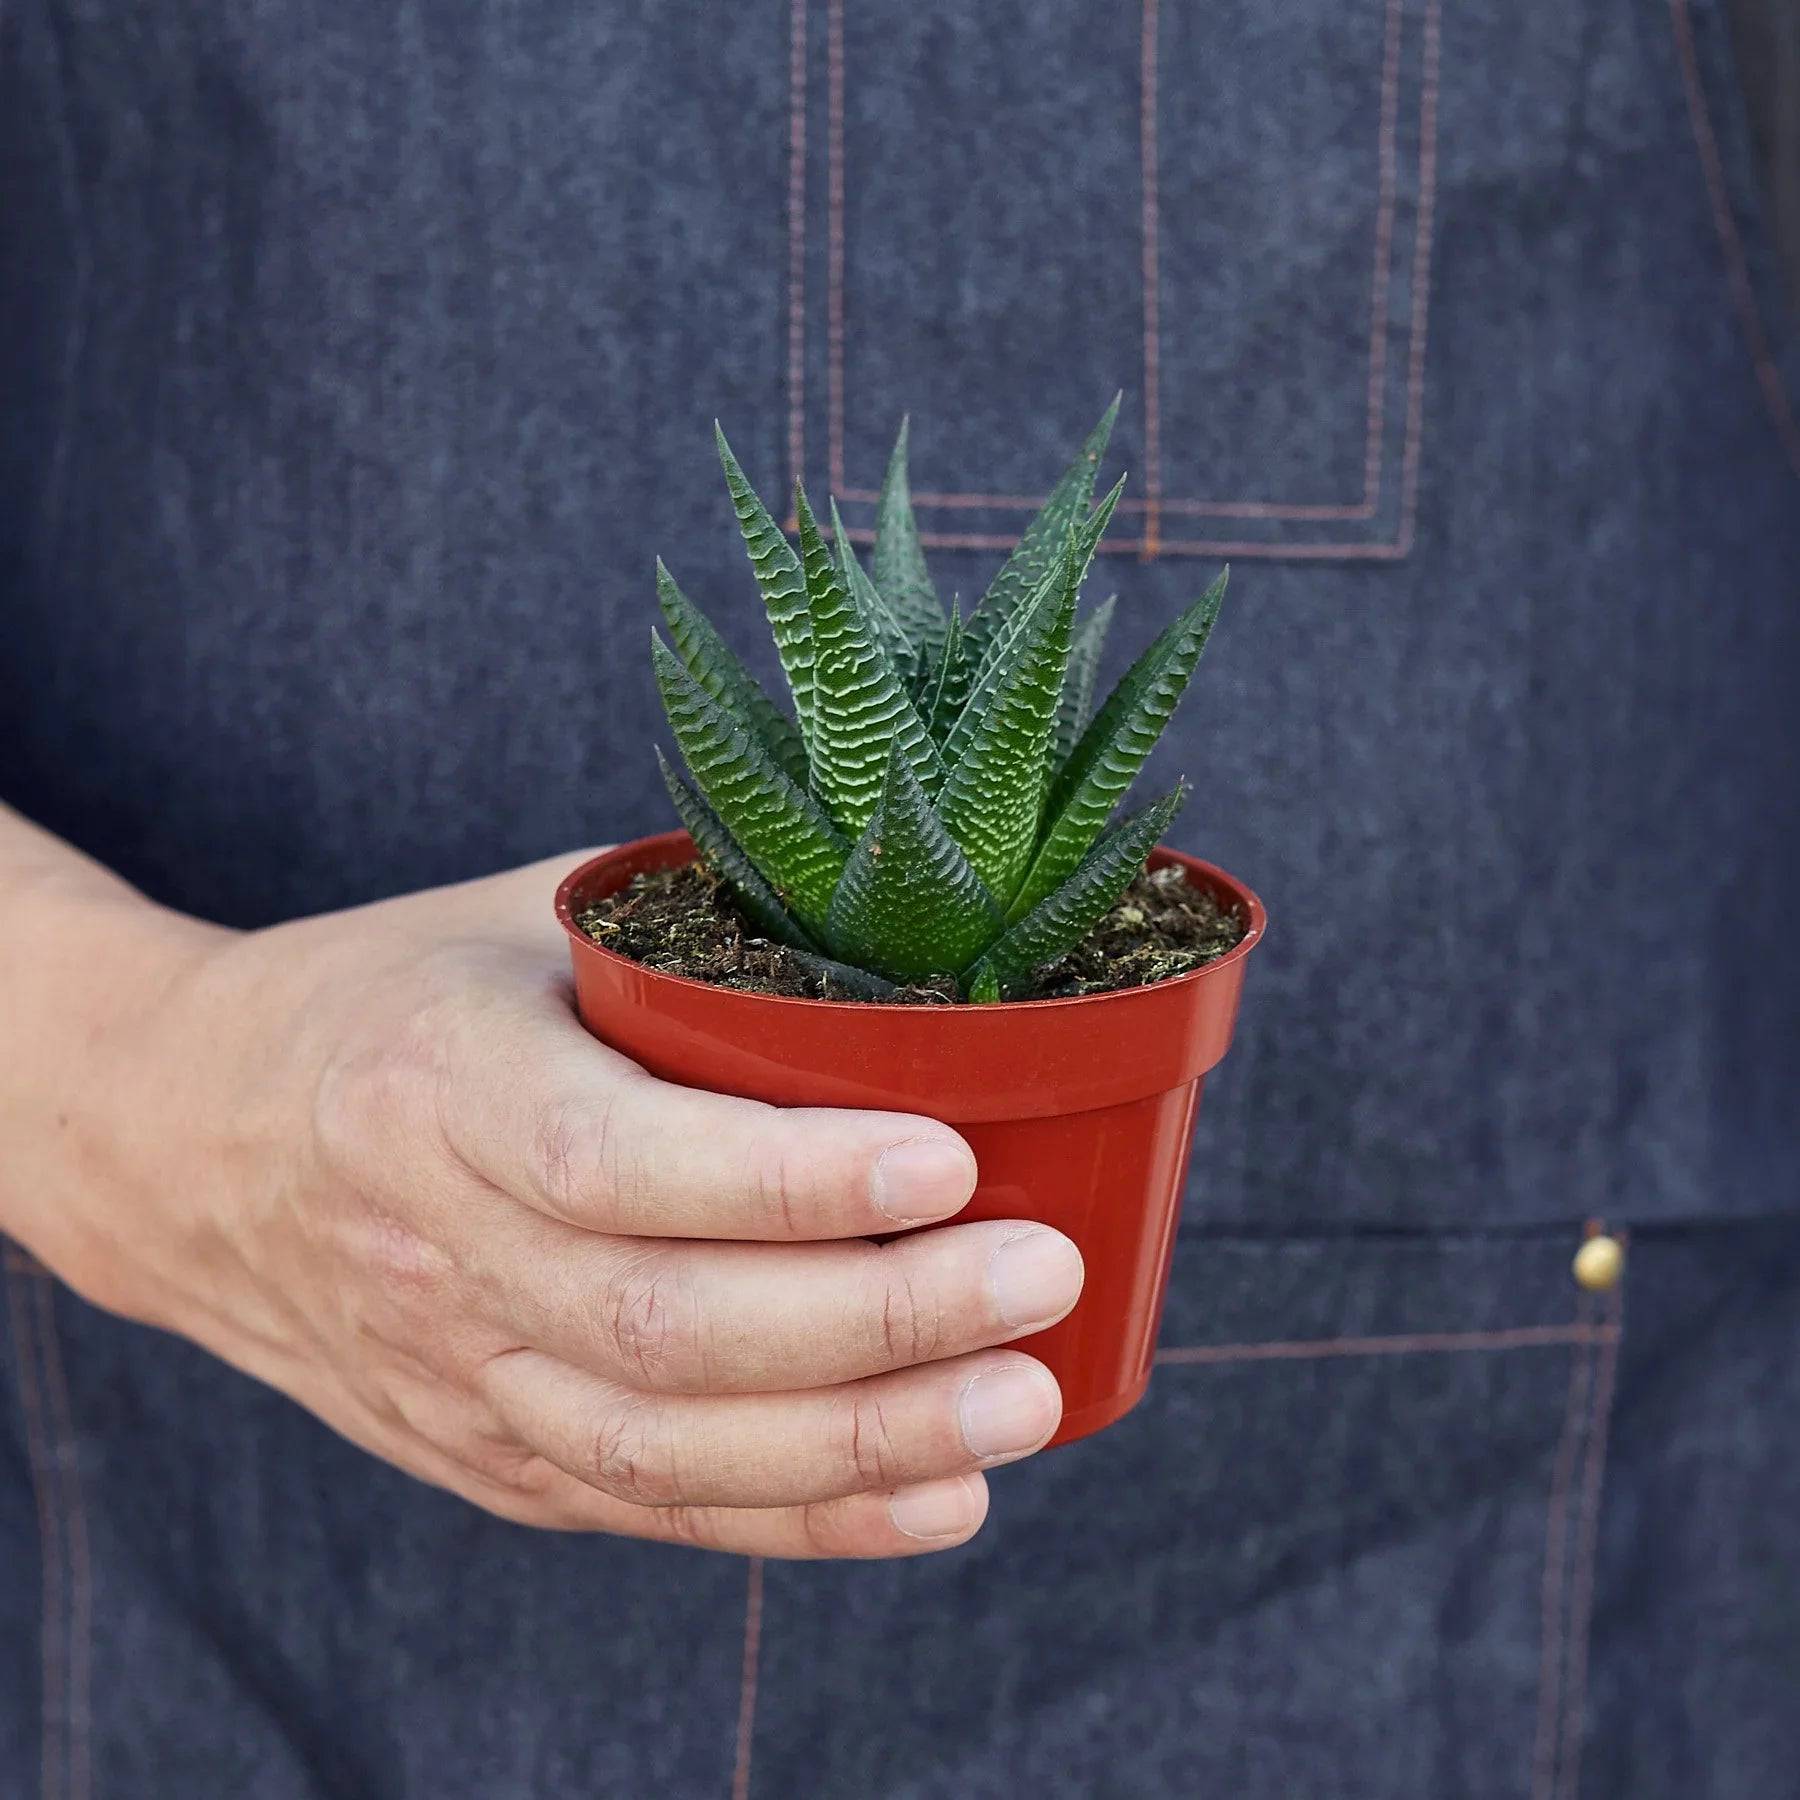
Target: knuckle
629, 1456
784, 1188
866, 1445
381, 1088
407, 1267
692, 1526
650, 1320
825, 1530
909, 1318
776, 1196
579, 1157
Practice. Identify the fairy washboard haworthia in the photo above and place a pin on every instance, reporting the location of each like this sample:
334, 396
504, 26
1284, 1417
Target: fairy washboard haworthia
940, 802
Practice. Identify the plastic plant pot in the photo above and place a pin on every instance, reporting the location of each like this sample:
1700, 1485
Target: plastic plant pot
1079, 1111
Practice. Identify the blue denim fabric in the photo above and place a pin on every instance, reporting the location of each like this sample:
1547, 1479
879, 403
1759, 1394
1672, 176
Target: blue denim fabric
359, 360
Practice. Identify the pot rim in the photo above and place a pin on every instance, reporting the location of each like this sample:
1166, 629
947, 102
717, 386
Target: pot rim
1244, 897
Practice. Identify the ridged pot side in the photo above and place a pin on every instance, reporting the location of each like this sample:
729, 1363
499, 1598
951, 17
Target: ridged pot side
1079, 1111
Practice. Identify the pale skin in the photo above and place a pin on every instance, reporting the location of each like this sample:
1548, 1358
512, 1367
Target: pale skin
372, 1159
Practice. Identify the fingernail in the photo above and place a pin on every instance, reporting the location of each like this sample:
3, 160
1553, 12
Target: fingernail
1034, 1277
1009, 1410
933, 1509
924, 1178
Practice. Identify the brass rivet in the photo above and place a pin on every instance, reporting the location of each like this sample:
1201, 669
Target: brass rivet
1599, 1264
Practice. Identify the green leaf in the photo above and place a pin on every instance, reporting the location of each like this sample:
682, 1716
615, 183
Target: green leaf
710, 661
860, 984
782, 581
1039, 550
909, 906
958, 673
1110, 752
942, 705
780, 827
984, 988
993, 795
860, 707
900, 571
1083, 540
1063, 918
1084, 670
877, 614
720, 850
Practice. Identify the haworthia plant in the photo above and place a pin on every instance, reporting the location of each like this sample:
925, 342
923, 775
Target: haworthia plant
939, 804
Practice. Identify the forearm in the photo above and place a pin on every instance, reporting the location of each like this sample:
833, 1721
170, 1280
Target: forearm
83, 958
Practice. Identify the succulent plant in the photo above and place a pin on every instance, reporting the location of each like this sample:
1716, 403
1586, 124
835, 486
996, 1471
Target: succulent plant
939, 802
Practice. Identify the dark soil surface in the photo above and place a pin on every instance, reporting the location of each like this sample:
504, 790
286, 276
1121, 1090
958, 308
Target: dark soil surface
685, 922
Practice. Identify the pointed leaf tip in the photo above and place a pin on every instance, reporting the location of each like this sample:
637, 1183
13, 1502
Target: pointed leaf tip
1058, 922
1114, 747
861, 705
908, 905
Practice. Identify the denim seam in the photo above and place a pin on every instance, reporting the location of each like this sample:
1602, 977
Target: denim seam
1598, 1339
1552, 1649
746, 1721
22, 1276
1731, 244
1151, 542
1581, 1600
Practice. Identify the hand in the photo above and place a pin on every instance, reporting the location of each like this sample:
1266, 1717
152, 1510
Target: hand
374, 1160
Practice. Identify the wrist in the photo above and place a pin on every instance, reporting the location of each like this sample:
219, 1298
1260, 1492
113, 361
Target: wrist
86, 964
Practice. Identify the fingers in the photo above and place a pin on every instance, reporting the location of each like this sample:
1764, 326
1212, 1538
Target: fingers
767, 1450
672, 1316
911, 1521
575, 1130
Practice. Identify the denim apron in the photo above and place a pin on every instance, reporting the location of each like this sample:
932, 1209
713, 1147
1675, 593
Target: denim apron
360, 359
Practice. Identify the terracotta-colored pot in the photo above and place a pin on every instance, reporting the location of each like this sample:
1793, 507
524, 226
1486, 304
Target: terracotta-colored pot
1079, 1111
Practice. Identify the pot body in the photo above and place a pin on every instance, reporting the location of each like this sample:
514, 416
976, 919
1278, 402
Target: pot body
1079, 1111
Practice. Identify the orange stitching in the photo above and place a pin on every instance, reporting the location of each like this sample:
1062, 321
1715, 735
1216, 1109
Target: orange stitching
1581, 1605
797, 238
1152, 543
834, 212
1250, 509
1147, 153
1556, 1526
1383, 278
53, 1648
1273, 552
746, 1726
67, 1461
1518, 1337
1421, 282
1737, 268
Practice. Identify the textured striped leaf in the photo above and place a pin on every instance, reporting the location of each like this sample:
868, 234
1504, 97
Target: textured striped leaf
1084, 670
861, 708
993, 794
909, 905
924, 684
958, 676
1063, 918
1038, 551
779, 826
900, 571
782, 581
1085, 538
895, 645
710, 661
1113, 749
941, 705
721, 852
